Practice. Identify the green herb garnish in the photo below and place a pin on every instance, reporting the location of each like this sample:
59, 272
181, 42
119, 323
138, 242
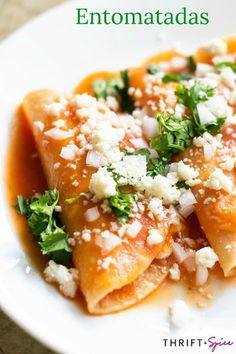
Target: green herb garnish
72, 200
190, 98
115, 87
153, 69
42, 220
191, 64
176, 77
174, 135
121, 205
155, 166
226, 64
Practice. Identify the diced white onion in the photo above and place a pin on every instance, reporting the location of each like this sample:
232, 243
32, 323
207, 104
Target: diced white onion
189, 263
187, 201
149, 127
209, 151
205, 115
92, 214
179, 252
94, 158
139, 143
201, 275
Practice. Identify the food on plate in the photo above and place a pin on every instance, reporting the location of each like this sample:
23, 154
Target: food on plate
135, 162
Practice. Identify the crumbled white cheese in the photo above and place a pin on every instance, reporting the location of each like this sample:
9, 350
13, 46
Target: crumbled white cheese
59, 134
206, 257
86, 235
66, 278
92, 214
105, 263
39, 125
83, 100
133, 229
216, 47
185, 172
131, 167
104, 136
154, 237
107, 241
174, 272
156, 208
228, 165
218, 180
223, 58
160, 187
69, 152
54, 109
179, 313
102, 184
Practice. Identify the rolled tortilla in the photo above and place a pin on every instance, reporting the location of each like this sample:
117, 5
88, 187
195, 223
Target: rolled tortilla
216, 209
133, 271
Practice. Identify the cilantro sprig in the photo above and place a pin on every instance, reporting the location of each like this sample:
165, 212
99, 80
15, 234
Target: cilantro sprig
115, 87
176, 77
121, 205
226, 64
174, 135
43, 222
155, 165
190, 98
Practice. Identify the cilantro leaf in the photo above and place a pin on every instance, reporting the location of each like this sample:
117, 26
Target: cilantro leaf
115, 87
121, 205
176, 77
174, 135
226, 64
155, 166
42, 220
190, 98
152, 69
191, 64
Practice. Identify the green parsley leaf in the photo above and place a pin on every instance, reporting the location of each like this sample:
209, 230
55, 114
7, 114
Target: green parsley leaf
121, 205
176, 77
117, 88
152, 69
226, 64
42, 220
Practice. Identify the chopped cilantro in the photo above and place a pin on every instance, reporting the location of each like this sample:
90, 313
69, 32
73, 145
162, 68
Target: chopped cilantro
155, 166
121, 205
190, 98
177, 77
115, 87
174, 135
152, 69
191, 64
226, 64
72, 200
42, 220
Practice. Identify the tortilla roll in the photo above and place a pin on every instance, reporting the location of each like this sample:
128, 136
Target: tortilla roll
133, 270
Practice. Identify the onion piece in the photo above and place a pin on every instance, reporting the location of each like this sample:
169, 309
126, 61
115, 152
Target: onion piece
187, 201
149, 127
189, 263
92, 214
139, 143
179, 252
94, 158
201, 275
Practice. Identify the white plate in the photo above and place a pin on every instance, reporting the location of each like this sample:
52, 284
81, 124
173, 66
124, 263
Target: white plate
53, 52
